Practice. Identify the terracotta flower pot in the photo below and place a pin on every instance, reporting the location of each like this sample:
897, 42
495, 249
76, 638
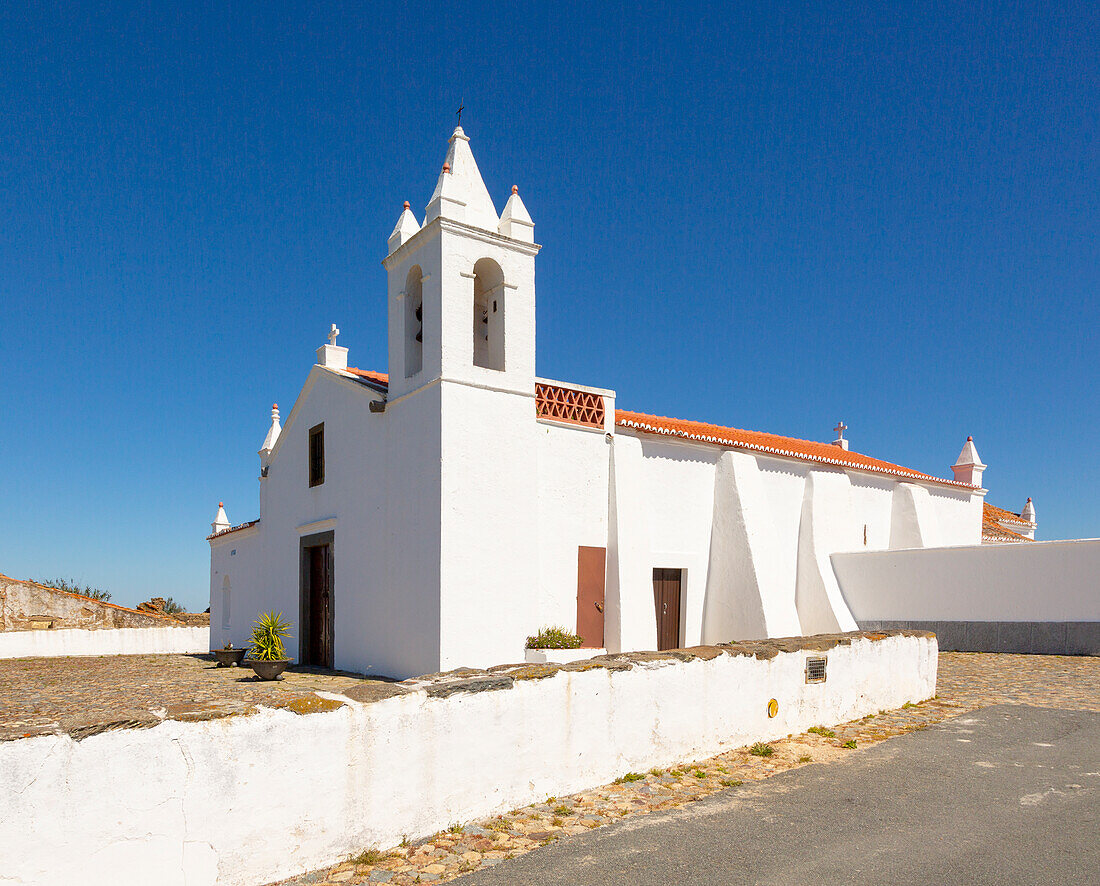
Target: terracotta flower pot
268, 670
229, 658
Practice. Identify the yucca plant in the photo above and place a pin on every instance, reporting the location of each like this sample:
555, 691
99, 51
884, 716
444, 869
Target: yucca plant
267, 637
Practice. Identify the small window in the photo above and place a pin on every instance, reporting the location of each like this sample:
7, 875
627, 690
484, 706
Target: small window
815, 670
317, 455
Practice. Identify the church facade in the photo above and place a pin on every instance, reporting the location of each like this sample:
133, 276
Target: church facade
435, 515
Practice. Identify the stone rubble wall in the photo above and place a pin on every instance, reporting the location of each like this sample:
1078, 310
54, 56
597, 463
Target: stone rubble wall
25, 605
251, 799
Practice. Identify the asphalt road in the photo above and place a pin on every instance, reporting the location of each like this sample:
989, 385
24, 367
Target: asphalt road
1006, 794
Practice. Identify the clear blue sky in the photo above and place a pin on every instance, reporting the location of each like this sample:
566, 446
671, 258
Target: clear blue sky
768, 216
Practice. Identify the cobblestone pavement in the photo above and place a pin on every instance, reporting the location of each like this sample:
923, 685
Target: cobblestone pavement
90, 694
966, 681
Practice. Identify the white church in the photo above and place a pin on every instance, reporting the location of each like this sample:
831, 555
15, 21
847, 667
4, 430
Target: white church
434, 516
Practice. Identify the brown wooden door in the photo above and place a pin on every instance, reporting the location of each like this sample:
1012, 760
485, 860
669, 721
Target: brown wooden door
590, 572
319, 645
666, 601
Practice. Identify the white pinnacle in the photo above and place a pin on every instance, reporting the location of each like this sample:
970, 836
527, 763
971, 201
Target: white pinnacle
460, 193
221, 521
273, 432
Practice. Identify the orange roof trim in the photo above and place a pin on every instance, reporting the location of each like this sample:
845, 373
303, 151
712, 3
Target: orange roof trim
790, 447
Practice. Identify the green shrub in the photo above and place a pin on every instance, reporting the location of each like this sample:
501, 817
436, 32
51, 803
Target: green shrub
850, 744
822, 731
761, 750
630, 776
554, 637
267, 637
72, 587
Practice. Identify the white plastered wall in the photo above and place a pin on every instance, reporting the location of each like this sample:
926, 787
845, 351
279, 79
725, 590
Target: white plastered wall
190, 803
380, 499
573, 467
1052, 581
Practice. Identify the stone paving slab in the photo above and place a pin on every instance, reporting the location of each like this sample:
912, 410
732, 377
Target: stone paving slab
89, 694
966, 681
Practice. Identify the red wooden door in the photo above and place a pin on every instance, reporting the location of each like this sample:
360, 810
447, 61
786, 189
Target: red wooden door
590, 573
666, 602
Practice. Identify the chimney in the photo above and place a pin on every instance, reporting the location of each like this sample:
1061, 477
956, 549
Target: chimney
1028, 513
968, 468
330, 355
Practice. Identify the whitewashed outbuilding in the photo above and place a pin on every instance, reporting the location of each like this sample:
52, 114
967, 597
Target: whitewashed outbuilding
435, 515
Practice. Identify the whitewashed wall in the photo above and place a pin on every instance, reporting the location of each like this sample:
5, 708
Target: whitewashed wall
1052, 581
107, 641
247, 800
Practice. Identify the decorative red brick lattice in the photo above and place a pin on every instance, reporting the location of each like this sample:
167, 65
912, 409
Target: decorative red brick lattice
564, 404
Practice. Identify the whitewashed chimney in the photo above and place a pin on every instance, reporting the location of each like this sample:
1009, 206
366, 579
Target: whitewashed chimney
221, 522
515, 221
272, 436
331, 355
1028, 513
968, 468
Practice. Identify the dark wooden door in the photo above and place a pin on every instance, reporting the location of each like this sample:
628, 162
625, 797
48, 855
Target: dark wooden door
320, 645
590, 572
666, 601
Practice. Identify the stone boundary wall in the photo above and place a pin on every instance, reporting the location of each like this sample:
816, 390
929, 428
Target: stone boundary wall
252, 799
105, 641
25, 603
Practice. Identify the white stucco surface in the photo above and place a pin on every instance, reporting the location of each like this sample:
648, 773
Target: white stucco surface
1049, 581
108, 641
247, 800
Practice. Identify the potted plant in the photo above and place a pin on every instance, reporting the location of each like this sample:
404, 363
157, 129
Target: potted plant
267, 655
229, 656
557, 645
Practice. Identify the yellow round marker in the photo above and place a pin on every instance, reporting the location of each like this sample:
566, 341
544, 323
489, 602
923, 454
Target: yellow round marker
773, 708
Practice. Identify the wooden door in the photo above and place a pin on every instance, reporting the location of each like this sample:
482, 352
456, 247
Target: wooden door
590, 573
320, 645
666, 602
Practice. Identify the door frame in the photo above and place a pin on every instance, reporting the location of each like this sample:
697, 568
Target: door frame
305, 628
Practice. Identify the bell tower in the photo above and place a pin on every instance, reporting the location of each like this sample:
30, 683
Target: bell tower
461, 286
461, 412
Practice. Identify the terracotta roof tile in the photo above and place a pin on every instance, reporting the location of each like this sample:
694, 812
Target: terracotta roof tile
1003, 516
791, 447
993, 528
379, 377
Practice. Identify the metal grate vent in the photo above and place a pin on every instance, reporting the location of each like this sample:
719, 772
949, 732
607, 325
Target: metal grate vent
815, 670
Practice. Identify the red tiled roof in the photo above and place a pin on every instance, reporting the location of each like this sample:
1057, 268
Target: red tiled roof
791, 447
993, 528
1003, 516
380, 377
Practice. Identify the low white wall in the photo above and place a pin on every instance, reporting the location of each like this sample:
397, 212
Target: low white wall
1053, 581
108, 641
247, 800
